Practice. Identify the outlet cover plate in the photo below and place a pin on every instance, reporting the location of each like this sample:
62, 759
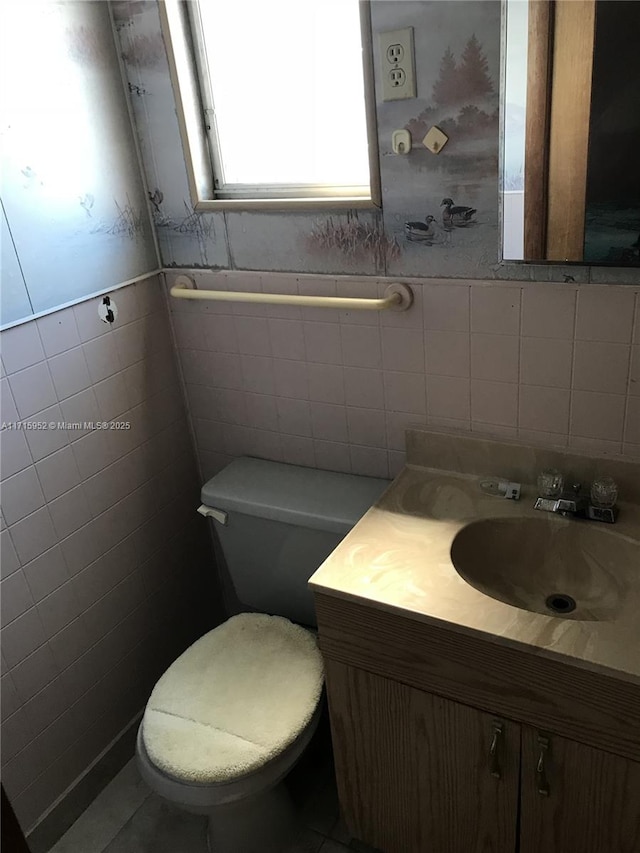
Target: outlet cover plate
396, 54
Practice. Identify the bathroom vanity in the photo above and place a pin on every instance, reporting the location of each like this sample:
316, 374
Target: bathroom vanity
464, 718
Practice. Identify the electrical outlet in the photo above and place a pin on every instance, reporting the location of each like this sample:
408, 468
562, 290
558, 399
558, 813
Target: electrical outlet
397, 64
395, 53
397, 77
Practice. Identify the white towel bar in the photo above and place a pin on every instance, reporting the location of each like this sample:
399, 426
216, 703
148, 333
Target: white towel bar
398, 297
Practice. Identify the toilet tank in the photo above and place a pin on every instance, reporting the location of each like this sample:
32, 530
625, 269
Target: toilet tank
282, 522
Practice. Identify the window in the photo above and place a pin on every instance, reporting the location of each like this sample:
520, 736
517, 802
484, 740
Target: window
275, 101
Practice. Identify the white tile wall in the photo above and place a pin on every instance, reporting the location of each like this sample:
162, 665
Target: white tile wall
102, 548
550, 364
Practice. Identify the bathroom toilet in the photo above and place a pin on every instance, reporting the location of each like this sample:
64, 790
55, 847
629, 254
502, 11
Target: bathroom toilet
231, 716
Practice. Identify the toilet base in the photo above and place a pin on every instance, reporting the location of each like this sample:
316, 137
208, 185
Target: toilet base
259, 824
249, 814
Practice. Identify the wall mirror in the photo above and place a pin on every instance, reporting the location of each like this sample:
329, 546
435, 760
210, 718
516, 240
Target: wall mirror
570, 164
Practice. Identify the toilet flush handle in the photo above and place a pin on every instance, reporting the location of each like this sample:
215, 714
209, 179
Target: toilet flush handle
211, 512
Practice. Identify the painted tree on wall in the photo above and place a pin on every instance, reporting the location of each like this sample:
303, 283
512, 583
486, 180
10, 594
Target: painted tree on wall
463, 105
465, 82
445, 89
473, 72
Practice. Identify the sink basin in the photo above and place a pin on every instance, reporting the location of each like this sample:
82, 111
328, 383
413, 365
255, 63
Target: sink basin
557, 567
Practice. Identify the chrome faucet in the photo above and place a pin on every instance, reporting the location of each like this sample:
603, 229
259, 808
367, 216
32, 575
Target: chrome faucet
572, 502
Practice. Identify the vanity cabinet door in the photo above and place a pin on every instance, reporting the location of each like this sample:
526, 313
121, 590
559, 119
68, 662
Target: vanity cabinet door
577, 798
420, 774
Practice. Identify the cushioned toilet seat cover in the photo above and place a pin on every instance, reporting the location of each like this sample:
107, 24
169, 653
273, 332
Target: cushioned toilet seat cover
234, 700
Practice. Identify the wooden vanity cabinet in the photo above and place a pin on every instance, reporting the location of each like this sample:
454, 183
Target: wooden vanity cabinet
446, 743
592, 804
420, 773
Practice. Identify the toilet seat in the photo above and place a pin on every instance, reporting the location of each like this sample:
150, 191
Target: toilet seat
233, 701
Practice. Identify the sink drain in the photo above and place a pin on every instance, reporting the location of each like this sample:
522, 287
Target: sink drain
560, 603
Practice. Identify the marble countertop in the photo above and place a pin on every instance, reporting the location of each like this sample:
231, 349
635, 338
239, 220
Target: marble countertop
397, 558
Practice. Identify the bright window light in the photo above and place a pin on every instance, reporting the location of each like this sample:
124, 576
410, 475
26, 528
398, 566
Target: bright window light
285, 78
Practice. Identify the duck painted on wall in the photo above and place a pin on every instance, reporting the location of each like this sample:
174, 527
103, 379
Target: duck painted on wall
428, 232
420, 232
457, 215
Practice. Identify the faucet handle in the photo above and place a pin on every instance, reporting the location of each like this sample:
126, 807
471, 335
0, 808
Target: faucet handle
604, 492
550, 483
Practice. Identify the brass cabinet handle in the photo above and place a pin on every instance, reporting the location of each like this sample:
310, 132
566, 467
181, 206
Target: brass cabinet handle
494, 763
542, 783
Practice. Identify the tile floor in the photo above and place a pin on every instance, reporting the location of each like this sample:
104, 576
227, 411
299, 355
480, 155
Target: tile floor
128, 818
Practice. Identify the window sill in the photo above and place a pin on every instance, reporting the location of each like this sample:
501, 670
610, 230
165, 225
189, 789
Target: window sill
286, 204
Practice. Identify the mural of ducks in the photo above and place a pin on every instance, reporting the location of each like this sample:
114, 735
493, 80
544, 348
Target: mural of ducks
420, 232
457, 216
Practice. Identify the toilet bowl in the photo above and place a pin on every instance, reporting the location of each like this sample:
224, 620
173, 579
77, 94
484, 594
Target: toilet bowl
252, 813
225, 724
231, 716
